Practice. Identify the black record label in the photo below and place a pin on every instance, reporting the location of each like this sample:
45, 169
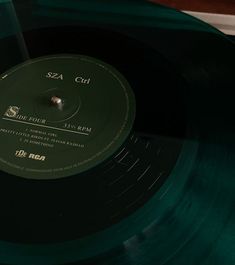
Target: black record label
62, 115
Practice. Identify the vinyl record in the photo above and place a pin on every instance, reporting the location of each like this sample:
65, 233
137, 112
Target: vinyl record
116, 135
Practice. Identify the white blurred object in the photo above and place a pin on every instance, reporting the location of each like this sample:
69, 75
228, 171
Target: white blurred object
225, 23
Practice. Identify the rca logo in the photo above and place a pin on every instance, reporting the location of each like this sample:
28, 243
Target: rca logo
23, 154
37, 157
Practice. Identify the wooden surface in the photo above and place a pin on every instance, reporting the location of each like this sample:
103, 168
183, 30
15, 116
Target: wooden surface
211, 6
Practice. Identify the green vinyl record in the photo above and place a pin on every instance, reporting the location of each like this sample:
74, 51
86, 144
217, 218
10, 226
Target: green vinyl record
117, 135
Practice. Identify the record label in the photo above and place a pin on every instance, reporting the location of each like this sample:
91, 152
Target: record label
62, 115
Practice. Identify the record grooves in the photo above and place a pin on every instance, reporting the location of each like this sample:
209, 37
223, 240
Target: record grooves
126, 180
116, 137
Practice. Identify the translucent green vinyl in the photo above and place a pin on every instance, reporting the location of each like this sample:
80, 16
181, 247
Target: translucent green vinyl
190, 217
